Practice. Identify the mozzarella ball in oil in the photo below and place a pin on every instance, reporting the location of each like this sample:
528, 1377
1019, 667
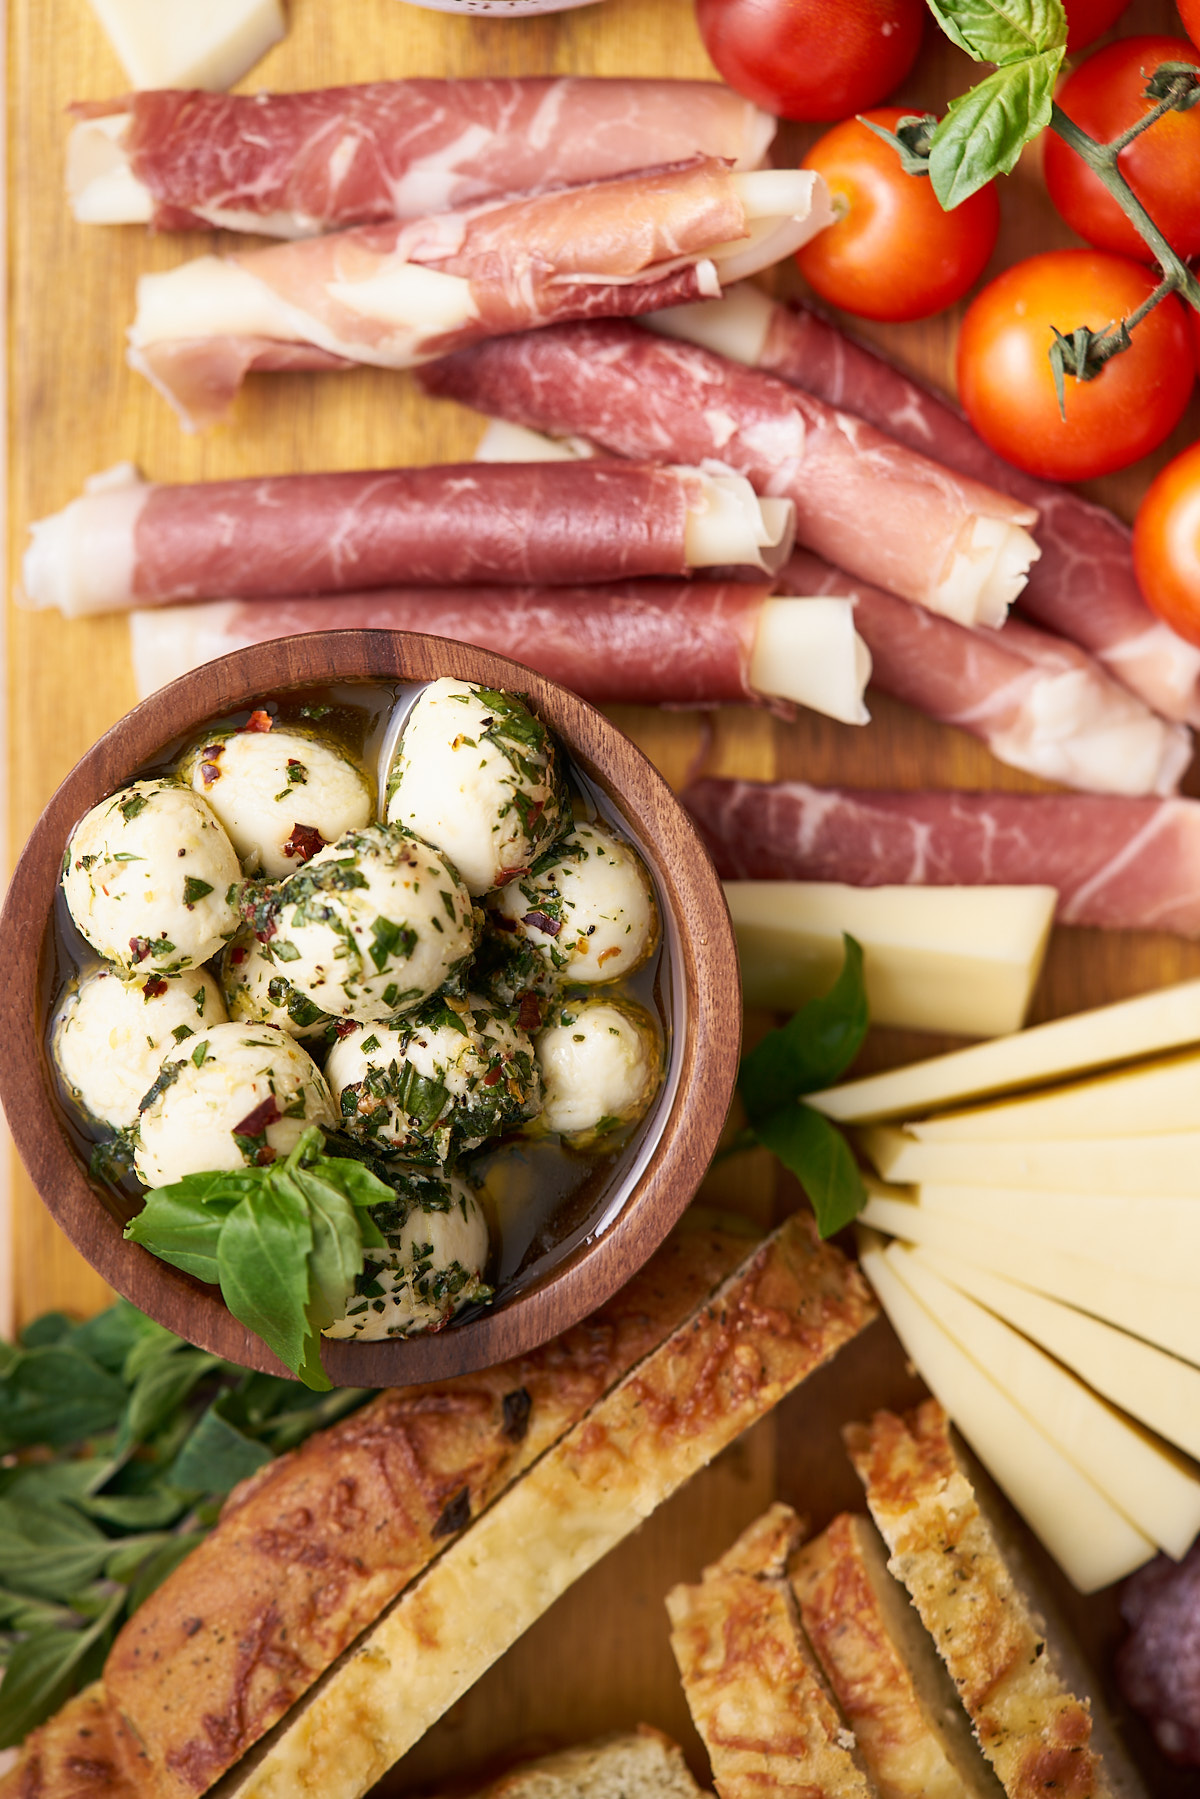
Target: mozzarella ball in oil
236, 1081
281, 795
479, 776
110, 1035
437, 1252
148, 877
601, 1064
588, 910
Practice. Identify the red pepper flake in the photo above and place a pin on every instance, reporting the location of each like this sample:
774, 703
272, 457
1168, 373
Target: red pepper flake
344, 1027
304, 842
256, 1122
258, 721
237, 956
264, 1157
139, 948
529, 1012
542, 921
604, 955
155, 987
268, 930
510, 874
492, 1076
209, 772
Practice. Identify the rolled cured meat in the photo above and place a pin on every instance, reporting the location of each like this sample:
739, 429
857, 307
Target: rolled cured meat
1122, 864
1038, 702
649, 643
127, 542
1083, 587
394, 295
862, 500
290, 165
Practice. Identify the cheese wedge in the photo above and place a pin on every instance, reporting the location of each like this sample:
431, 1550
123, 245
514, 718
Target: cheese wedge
1155, 1097
957, 959
1167, 1316
1159, 1390
1145, 1026
1148, 1484
1136, 1167
1080, 1526
179, 43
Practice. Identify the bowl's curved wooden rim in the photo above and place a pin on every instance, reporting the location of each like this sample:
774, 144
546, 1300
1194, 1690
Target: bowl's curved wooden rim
709, 972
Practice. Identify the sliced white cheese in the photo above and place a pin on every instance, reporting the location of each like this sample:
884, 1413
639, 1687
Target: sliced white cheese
735, 325
1165, 1019
1083, 1530
180, 43
960, 959
1147, 1483
1158, 1096
1151, 1309
1131, 1167
808, 651
1157, 1389
1158, 1239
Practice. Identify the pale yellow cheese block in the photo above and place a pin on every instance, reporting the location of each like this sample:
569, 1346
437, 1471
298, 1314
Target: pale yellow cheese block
957, 959
1134, 1167
1145, 1026
190, 43
1080, 1526
1154, 1097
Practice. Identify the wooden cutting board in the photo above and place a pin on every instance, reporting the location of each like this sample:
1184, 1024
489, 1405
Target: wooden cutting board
600, 1659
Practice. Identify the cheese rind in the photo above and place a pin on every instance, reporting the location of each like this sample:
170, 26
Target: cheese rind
956, 959
1156, 1097
1165, 1019
1129, 1167
176, 43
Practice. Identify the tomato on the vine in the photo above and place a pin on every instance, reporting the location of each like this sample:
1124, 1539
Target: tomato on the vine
1166, 544
1162, 166
1006, 382
1086, 19
812, 59
894, 254
1189, 13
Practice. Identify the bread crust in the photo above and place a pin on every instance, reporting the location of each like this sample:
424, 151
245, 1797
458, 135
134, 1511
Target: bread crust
751, 1687
77, 1754
639, 1764
1033, 1730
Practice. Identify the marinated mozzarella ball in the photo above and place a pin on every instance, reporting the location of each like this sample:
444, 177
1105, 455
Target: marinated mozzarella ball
281, 795
373, 925
233, 1093
444, 1077
437, 1251
147, 878
601, 1064
479, 776
588, 909
110, 1035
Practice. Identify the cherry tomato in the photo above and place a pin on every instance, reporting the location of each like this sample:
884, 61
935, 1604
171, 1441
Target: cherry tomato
1007, 386
1189, 13
894, 254
1166, 544
1194, 322
812, 59
1086, 19
1162, 166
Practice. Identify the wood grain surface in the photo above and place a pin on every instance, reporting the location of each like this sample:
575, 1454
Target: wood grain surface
600, 1658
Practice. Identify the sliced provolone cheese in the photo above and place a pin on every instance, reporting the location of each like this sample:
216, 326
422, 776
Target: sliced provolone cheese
959, 959
1136, 1167
1136, 1102
1158, 1239
181, 43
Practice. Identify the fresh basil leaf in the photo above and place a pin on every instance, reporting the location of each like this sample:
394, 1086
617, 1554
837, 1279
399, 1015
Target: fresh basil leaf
159, 1392
57, 1397
1002, 31
985, 130
337, 1253
46, 1669
162, 1562
263, 1256
820, 1158
811, 1050
361, 1187
182, 1224
216, 1455
49, 1550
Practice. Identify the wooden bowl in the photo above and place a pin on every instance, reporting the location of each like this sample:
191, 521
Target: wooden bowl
656, 1175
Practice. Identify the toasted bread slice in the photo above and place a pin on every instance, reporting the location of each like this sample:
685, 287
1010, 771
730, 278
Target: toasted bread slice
638, 1764
749, 1678
79, 1753
1034, 1730
912, 1732
787, 1310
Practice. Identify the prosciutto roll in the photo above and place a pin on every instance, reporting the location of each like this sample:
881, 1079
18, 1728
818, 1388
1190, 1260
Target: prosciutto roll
862, 500
1083, 587
642, 643
289, 165
127, 542
1122, 864
394, 295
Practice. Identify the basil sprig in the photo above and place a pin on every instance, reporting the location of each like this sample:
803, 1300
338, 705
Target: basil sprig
284, 1242
119, 1442
809, 1052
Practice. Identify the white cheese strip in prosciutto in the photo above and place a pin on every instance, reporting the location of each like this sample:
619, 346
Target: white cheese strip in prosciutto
1122, 864
128, 542
291, 165
647, 643
394, 295
862, 500
1038, 702
1083, 587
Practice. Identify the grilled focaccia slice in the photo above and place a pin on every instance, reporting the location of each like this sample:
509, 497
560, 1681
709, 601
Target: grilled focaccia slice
639, 1764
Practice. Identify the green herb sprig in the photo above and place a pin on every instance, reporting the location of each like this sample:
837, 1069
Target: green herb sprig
119, 1442
810, 1052
284, 1242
